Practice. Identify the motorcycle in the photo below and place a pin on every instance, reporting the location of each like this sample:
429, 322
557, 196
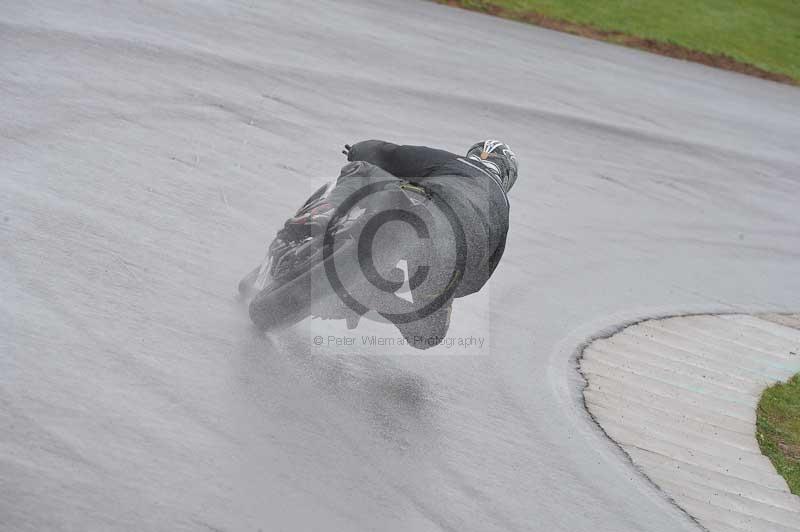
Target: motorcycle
349, 270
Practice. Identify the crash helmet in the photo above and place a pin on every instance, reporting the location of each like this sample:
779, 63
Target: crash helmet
498, 158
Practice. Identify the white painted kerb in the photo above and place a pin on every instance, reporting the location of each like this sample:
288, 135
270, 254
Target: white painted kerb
679, 395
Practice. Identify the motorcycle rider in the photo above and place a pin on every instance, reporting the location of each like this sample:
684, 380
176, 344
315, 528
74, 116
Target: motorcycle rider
473, 186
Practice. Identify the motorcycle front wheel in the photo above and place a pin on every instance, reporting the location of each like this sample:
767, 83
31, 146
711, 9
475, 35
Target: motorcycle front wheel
283, 304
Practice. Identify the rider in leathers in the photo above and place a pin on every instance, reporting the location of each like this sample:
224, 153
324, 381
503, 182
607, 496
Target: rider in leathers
474, 189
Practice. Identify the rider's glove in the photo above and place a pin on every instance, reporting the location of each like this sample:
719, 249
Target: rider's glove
314, 220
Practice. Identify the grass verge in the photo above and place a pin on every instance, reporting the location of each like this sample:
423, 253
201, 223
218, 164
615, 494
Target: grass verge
756, 37
778, 429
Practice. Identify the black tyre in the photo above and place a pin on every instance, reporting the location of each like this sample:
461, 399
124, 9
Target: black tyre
281, 305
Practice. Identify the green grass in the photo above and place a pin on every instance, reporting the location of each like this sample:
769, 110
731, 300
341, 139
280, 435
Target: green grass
778, 429
764, 33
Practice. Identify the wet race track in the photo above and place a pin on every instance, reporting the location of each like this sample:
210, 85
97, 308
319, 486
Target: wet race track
150, 149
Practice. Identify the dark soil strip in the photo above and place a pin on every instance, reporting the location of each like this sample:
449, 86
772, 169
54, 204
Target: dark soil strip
663, 48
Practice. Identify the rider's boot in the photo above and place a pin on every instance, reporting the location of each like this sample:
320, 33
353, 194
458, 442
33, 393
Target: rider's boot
429, 331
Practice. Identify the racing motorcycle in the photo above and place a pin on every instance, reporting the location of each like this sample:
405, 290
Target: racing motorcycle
351, 269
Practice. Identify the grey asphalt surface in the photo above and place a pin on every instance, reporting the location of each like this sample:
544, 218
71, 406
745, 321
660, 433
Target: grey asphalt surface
148, 151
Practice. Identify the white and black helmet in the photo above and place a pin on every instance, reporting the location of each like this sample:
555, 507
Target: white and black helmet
498, 158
